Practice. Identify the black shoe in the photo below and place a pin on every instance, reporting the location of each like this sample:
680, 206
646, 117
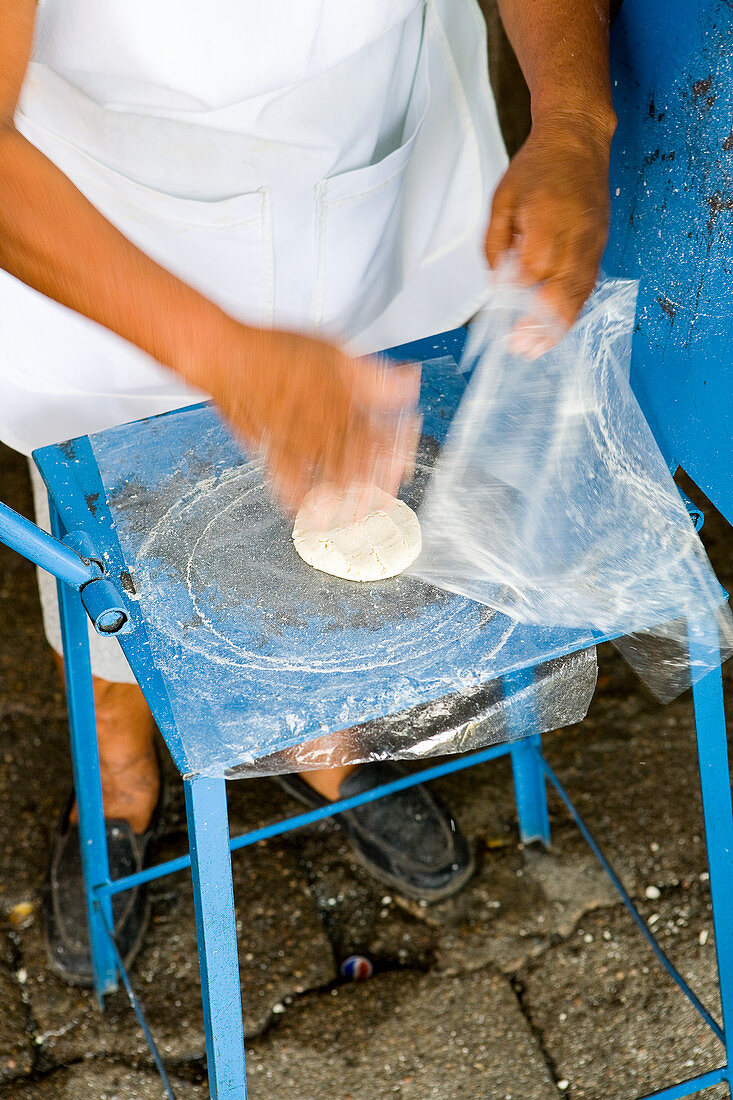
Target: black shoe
64, 904
408, 840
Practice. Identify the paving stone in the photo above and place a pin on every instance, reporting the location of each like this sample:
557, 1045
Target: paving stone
419, 1037
612, 1021
519, 901
103, 1081
626, 734
482, 800
359, 914
283, 951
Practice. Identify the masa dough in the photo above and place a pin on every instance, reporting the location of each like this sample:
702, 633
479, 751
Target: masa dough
360, 534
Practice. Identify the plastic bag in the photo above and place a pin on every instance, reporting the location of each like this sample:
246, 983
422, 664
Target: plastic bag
552, 503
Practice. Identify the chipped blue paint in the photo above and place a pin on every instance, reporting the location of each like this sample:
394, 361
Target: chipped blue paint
672, 224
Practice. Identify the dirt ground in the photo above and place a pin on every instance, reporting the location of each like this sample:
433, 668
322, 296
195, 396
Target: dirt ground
532, 983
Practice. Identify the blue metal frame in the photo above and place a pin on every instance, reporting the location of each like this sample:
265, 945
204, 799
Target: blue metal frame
210, 845
69, 565
661, 55
206, 806
42, 549
216, 930
691, 1087
81, 570
712, 748
87, 779
529, 780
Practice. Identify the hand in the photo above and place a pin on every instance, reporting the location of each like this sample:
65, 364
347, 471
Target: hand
315, 413
552, 209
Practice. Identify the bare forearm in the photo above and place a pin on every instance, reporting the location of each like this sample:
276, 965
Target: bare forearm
54, 240
562, 47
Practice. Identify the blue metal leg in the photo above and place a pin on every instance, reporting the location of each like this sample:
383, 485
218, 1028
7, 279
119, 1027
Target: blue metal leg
718, 815
530, 791
213, 896
87, 780
529, 777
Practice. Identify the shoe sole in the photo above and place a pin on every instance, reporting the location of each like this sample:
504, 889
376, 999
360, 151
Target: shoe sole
397, 885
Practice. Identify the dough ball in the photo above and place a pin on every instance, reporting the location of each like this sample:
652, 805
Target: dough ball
360, 534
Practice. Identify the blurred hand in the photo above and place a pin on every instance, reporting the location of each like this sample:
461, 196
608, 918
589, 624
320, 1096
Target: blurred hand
316, 413
552, 209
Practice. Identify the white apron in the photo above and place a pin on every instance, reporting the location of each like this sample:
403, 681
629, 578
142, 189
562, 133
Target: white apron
319, 165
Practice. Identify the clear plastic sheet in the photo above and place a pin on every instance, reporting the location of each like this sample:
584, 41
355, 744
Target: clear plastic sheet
268, 665
558, 694
552, 503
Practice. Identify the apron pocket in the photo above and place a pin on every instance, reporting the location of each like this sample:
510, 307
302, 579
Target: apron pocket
222, 247
361, 259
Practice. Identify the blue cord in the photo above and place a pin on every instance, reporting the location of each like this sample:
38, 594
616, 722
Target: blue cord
626, 899
137, 1008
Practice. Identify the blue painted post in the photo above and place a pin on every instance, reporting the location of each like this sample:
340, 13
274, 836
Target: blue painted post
87, 780
42, 549
712, 747
672, 221
98, 596
529, 777
213, 898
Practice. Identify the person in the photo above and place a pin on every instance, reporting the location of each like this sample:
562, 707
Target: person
235, 200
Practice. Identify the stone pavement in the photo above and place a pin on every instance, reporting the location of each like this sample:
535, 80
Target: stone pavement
532, 983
